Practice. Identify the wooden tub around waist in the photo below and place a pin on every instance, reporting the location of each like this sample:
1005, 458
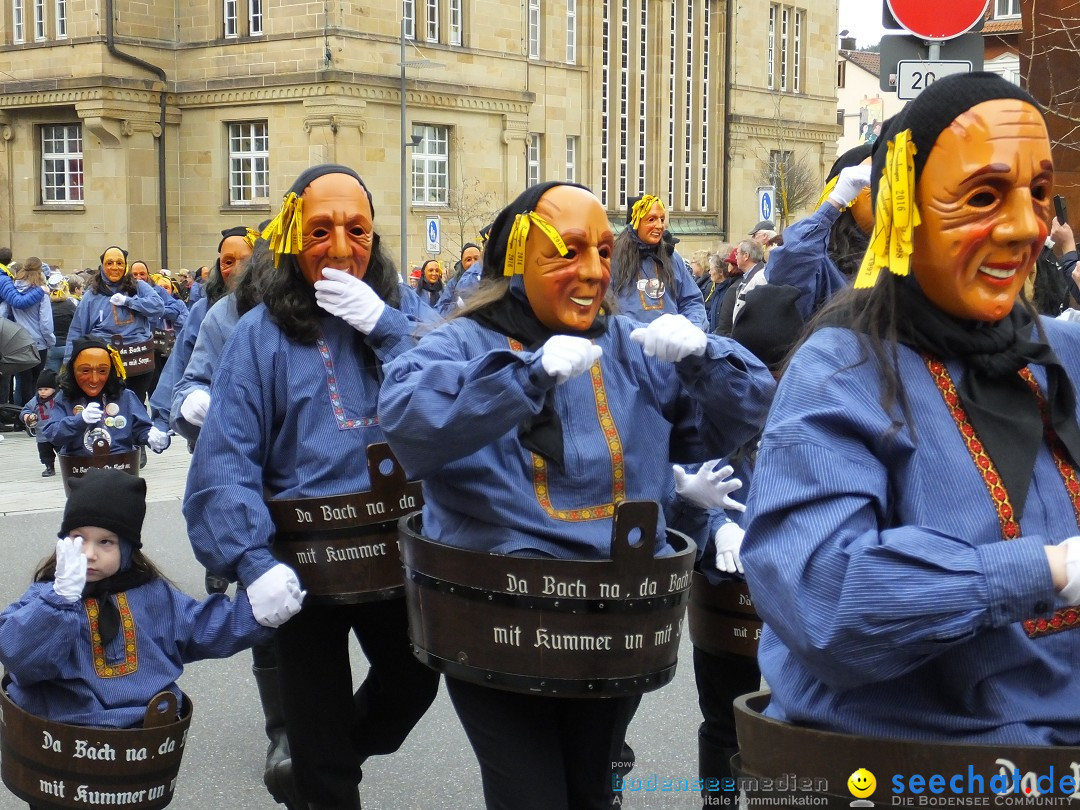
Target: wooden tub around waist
582, 628
344, 548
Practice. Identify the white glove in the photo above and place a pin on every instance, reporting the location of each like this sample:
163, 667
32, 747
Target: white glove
275, 597
670, 338
566, 356
70, 577
158, 440
350, 298
729, 539
708, 488
91, 414
119, 300
1070, 594
195, 406
850, 182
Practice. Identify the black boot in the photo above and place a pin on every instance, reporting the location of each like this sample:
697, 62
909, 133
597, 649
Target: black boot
714, 770
215, 584
278, 775
49, 471
352, 803
142, 457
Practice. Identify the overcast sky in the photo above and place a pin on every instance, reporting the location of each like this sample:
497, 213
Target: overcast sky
862, 18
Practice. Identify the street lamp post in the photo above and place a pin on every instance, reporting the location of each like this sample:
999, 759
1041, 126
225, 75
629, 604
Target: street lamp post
405, 144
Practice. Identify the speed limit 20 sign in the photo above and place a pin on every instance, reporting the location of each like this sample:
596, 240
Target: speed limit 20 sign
912, 77
934, 20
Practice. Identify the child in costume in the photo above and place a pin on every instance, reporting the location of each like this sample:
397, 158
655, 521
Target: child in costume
37, 411
101, 631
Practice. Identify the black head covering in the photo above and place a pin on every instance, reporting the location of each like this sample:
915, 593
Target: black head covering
315, 172
47, 379
930, 112
852, 157
238, 230
499, 236
101, 258
769, 323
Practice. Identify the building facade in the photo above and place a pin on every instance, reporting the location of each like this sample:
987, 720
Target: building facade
155, 125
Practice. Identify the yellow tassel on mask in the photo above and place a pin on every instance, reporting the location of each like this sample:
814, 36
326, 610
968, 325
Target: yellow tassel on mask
515, 247
251, 237
285, 232
827, 191
895, 215
641, 209
118, 364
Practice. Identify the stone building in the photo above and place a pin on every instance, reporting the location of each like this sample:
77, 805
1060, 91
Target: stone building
155, 125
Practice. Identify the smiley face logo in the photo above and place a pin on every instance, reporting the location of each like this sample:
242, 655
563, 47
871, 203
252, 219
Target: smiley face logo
861, 783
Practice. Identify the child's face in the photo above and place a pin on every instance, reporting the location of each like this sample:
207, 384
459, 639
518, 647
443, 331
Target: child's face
102, 550
45, 393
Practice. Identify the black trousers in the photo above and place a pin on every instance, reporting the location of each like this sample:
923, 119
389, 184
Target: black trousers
47, 453
140, 385
542, 753
332, 730
720, 679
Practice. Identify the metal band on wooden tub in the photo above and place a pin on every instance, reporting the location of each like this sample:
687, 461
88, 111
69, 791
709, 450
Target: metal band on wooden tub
576, 628
59, 766
344, 548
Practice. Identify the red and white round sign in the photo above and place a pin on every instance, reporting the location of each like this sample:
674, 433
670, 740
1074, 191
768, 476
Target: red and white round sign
938, 19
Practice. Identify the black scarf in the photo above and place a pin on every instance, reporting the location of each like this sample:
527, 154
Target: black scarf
104, 589
432, 288
1002, 408
513, 317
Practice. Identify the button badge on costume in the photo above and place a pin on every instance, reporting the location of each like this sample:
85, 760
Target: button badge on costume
861, 784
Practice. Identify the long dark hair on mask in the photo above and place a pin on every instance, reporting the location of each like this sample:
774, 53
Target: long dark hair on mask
100, 284
248, 290
114, 386
847, 244
290, 300
627, 257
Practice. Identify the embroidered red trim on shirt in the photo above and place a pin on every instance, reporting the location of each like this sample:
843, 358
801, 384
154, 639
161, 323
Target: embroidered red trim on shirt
1065, 618
127, 627
615, 450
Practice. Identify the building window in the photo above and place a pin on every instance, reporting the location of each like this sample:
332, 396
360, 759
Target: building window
18, 21
255, 17
705, 153
786, 31
534, 29
230, 11
688, 102
1006, 8
624, 101
39, 20
772, 46
605, 103
61, 19
643, 85
571, 32
571, 158
455, 22
61, 164
431, 165
249, 163
672, 72
841, 74
532, 160
431, 20
408, 15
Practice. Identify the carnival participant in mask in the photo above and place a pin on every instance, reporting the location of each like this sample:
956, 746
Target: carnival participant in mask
304, 368
649, 278
465, 277
94, 404
431, 283
514, 386
234, 250
118, 309
912, 541
821, 253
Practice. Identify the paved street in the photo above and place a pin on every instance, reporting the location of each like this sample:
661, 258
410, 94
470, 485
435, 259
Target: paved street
222, 767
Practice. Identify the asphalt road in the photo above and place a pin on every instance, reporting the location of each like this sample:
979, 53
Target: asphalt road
222, 766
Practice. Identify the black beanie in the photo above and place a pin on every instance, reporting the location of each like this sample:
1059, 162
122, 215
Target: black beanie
315, 172
498, 241
929, 113
239, 230
109, 499
769, 323
47, 379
